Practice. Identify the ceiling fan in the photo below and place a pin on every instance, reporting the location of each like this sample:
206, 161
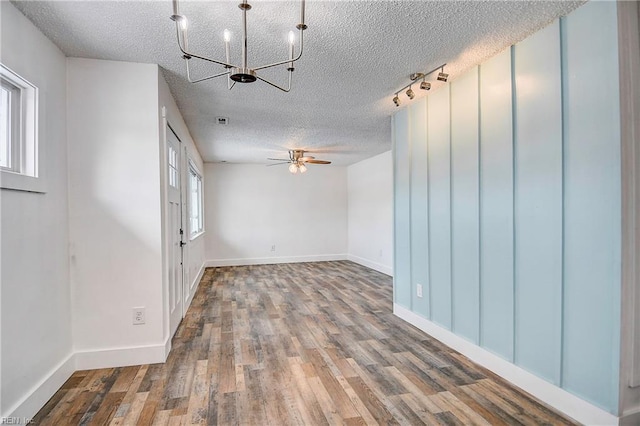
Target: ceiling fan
297, 161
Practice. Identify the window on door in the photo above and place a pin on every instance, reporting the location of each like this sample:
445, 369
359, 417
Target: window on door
196, 208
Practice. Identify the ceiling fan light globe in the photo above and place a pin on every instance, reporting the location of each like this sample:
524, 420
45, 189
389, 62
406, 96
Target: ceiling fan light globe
293, 168
303, 168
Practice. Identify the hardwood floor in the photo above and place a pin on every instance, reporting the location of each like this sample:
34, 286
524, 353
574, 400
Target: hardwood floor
303, 344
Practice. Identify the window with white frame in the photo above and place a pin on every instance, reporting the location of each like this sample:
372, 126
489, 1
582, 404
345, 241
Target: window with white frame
18, 125
196, 208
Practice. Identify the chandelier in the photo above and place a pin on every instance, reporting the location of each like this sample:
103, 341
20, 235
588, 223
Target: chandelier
242, 73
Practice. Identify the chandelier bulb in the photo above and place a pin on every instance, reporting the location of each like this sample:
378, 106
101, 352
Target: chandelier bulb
227, 36
292, 37
184, 23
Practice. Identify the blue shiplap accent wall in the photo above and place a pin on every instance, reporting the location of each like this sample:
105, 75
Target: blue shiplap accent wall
465, 215
508, 205
419, 197
402, 209
439, 213
592, 202
496, 206
538, 203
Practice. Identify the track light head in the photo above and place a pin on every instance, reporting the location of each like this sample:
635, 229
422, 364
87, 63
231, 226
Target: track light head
410, 93
396, 100
443, 76
416, 75
425, 85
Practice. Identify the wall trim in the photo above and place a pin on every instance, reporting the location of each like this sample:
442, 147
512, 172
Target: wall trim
193, 286
167, 347
38, 396
212, 263
122, 357
552, 395
631, 418
388, 270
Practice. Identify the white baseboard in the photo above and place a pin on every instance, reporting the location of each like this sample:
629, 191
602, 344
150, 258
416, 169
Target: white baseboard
273, 260
121, 357
38, 396
167, 347
554, 396
388, 270
631, 418
193, 286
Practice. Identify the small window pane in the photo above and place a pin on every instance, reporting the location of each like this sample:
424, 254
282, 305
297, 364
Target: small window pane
5, 128
173, 171
196, 220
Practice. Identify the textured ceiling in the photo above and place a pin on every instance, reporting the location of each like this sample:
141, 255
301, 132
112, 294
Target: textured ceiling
356, 55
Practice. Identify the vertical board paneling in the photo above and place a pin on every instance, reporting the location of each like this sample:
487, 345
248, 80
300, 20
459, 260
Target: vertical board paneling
465, 205
508, 205
592, 203
538, 203
496, 206
439, 174
402, 205
419, 230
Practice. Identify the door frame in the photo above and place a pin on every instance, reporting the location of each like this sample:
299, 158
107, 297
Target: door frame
166, 225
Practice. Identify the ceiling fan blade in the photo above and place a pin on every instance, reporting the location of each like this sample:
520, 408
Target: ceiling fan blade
279, 159
306, 158
318, 162
277, 164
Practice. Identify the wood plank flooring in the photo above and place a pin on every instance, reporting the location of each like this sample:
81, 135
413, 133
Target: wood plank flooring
296, 344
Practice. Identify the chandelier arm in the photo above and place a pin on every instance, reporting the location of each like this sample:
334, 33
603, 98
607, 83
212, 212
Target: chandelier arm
288, 60
188, 55
230, 84
203, 78
275, 85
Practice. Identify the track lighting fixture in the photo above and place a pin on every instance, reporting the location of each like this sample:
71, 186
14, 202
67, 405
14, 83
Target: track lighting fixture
241, 73
442, 76
424, 85
410, 93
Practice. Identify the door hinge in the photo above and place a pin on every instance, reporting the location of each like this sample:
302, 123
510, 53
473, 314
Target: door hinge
181, 231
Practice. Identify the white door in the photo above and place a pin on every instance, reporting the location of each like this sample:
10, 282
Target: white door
175, 241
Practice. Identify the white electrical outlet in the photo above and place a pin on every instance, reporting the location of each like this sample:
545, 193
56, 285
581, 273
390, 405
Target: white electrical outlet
273, 247
419, 290
138, 316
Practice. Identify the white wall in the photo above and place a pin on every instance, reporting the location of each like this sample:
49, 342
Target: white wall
370, 212
114, 204
249, 208
35, 306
